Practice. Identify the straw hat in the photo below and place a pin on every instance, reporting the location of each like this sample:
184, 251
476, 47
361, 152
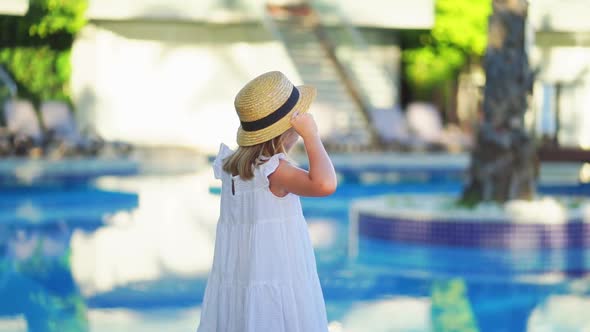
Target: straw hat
265, 105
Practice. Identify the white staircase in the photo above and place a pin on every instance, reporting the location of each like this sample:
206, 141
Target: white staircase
349, 125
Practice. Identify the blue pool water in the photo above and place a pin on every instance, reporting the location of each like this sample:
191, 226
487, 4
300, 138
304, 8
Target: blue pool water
131, 253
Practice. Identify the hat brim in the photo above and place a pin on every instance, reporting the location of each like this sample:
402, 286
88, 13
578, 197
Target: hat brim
307, 95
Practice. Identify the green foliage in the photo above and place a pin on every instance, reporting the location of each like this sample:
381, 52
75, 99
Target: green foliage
451, 310
41, 73
470, 198
459, 35
57, 309
36, 47
56, 16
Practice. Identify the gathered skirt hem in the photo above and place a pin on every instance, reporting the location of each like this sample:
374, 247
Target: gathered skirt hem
272, 305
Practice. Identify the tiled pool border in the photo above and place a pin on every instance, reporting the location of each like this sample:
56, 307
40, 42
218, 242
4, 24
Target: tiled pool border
574, 234
476, 232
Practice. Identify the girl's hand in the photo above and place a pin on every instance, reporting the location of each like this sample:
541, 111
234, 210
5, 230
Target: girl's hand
304, 125
321, 179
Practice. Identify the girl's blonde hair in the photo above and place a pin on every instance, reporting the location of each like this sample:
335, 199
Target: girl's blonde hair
246, 158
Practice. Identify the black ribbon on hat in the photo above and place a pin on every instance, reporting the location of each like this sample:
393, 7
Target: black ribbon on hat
274, 116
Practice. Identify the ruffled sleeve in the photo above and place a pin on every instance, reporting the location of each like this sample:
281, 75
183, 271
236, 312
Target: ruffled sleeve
271, 164
224, 152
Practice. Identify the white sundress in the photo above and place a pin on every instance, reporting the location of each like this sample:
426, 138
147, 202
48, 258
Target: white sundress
264, 276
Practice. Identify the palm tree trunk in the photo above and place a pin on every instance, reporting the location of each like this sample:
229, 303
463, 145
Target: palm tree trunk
503, 163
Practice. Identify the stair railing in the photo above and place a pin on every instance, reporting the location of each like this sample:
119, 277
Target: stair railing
345, 74
7, 82
334, 16
344, 71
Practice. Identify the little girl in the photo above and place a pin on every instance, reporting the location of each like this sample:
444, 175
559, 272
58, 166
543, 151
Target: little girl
264, 276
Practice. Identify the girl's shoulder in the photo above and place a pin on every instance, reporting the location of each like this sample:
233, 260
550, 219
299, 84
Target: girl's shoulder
270, 164
266, 165
223, 152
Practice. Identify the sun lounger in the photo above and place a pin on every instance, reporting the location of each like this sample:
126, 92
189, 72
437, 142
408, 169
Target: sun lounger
391, 126
22, 122
426, 125
63, 137
58, 121
66, 139
21, 119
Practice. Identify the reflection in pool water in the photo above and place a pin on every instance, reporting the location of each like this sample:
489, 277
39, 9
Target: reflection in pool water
170, 235
36, 281
132, 253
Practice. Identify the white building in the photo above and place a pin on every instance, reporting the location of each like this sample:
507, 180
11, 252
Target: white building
561, 53
166, 72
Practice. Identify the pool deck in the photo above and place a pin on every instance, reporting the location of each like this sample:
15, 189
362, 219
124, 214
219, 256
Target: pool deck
563, 173
394, 159
27, 171
169, 161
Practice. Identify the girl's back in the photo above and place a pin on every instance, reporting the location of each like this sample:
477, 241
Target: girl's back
264, 274
251, 201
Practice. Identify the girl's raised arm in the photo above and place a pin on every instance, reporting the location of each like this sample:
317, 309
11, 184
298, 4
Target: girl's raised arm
321, 179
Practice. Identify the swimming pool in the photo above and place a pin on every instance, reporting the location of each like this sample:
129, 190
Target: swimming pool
132, 253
